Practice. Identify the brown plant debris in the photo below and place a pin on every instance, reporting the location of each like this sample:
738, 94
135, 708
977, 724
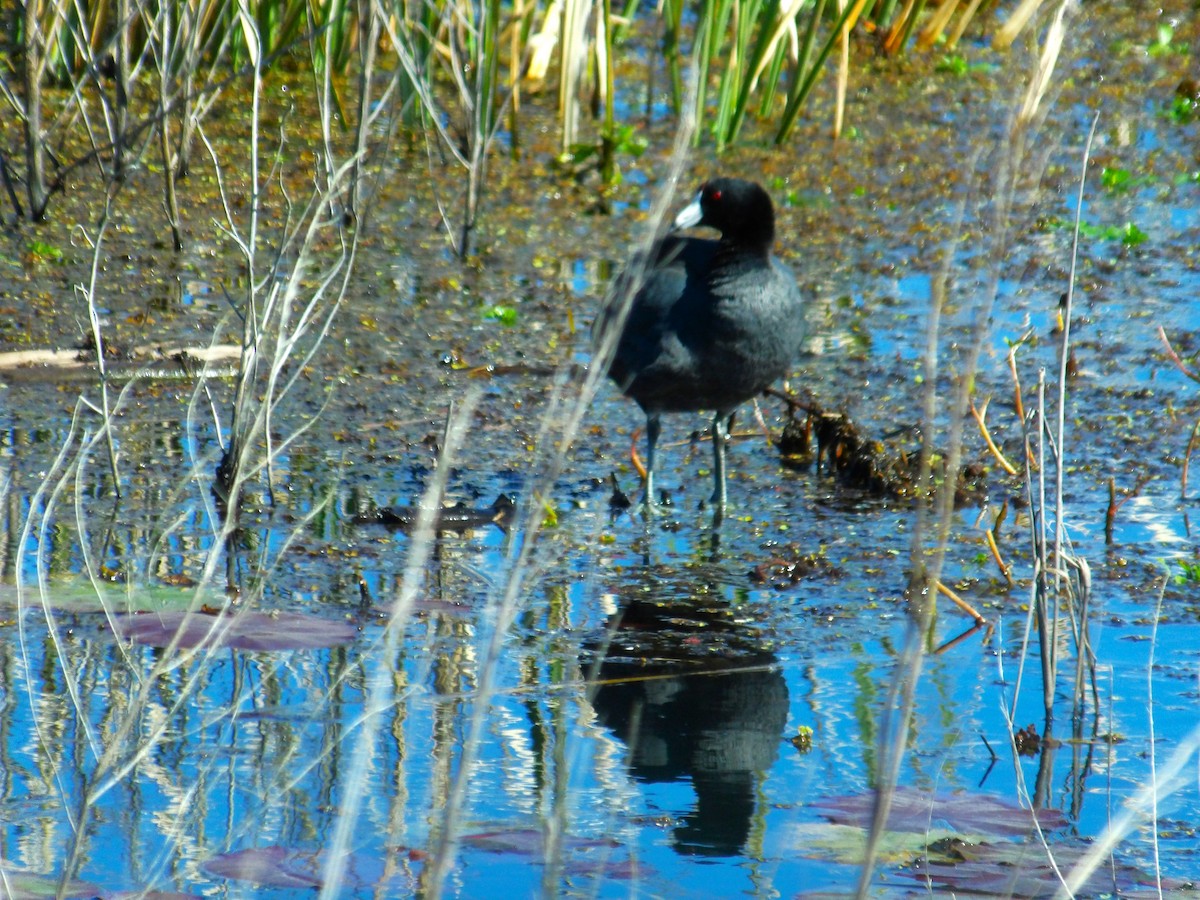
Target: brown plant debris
887, 467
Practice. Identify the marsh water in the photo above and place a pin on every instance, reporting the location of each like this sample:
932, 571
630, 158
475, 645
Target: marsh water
672, 708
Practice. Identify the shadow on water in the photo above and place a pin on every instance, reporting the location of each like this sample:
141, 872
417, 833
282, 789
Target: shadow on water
685, 684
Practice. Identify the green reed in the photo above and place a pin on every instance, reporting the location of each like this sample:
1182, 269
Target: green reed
753, 60
803, 85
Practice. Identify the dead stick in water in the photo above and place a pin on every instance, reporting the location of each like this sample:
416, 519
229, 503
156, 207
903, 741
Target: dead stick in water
961, 603
980, 420
1012, 367
1187, 459
793, 402
955, 641
634, 457
1005, 570
1110, 514
993, 542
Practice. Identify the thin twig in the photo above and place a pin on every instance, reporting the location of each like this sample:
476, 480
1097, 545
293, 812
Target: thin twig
1187, 459
1174, 357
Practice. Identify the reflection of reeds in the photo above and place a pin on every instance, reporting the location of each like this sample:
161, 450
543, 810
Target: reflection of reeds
527, 563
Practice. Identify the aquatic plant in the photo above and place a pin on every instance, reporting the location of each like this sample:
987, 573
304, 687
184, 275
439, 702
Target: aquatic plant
1060, 579
155, 71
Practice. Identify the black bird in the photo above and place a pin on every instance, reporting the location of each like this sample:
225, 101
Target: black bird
712, 323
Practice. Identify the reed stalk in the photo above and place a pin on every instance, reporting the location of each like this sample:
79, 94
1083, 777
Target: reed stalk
752, 47
35, 149
934, 517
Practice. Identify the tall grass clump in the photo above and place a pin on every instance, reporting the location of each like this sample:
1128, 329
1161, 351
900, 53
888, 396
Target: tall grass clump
527, 563
104, 84
297, 259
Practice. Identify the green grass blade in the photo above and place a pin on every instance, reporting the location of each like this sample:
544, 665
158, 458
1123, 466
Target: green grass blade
767, 17
672, 22
805, 81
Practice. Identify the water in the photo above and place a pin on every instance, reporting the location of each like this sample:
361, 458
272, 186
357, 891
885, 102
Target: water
637, 695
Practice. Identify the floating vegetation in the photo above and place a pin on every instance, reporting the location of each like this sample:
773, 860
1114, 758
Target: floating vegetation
458, 517
517, 708
241, 630
887, 467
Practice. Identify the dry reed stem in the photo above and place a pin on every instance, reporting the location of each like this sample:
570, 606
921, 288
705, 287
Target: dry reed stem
1174, 357
1005, 569
898, 28
1008, 32
843, 76
761, 422
1018, 403
1047, 62
980, 416
960, 603
936, 25
963, 21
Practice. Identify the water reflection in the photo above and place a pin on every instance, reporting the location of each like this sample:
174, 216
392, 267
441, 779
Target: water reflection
685, 685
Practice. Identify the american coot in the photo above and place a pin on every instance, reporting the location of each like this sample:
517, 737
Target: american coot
712, 323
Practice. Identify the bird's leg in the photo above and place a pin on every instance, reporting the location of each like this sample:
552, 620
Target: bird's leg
721, 426
653, 430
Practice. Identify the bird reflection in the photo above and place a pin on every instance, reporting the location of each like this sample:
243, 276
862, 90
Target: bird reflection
688, 690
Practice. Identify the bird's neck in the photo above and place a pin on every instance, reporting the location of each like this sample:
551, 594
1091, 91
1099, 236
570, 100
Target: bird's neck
728, 251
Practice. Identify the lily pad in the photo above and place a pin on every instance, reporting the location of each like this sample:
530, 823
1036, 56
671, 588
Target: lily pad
80, 596
1024, 870
847, 844
581, 863
295, 868
249, 630
20, 884
528, 841
964, 813
274, 867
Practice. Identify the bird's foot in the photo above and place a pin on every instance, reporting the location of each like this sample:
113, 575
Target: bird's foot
651, 506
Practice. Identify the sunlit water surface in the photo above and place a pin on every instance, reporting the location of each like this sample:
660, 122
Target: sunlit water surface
635, 717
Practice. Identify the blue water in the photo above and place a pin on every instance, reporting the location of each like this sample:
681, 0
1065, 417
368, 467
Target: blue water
659, 751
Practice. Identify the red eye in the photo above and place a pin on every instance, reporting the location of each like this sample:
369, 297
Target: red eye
714, 195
